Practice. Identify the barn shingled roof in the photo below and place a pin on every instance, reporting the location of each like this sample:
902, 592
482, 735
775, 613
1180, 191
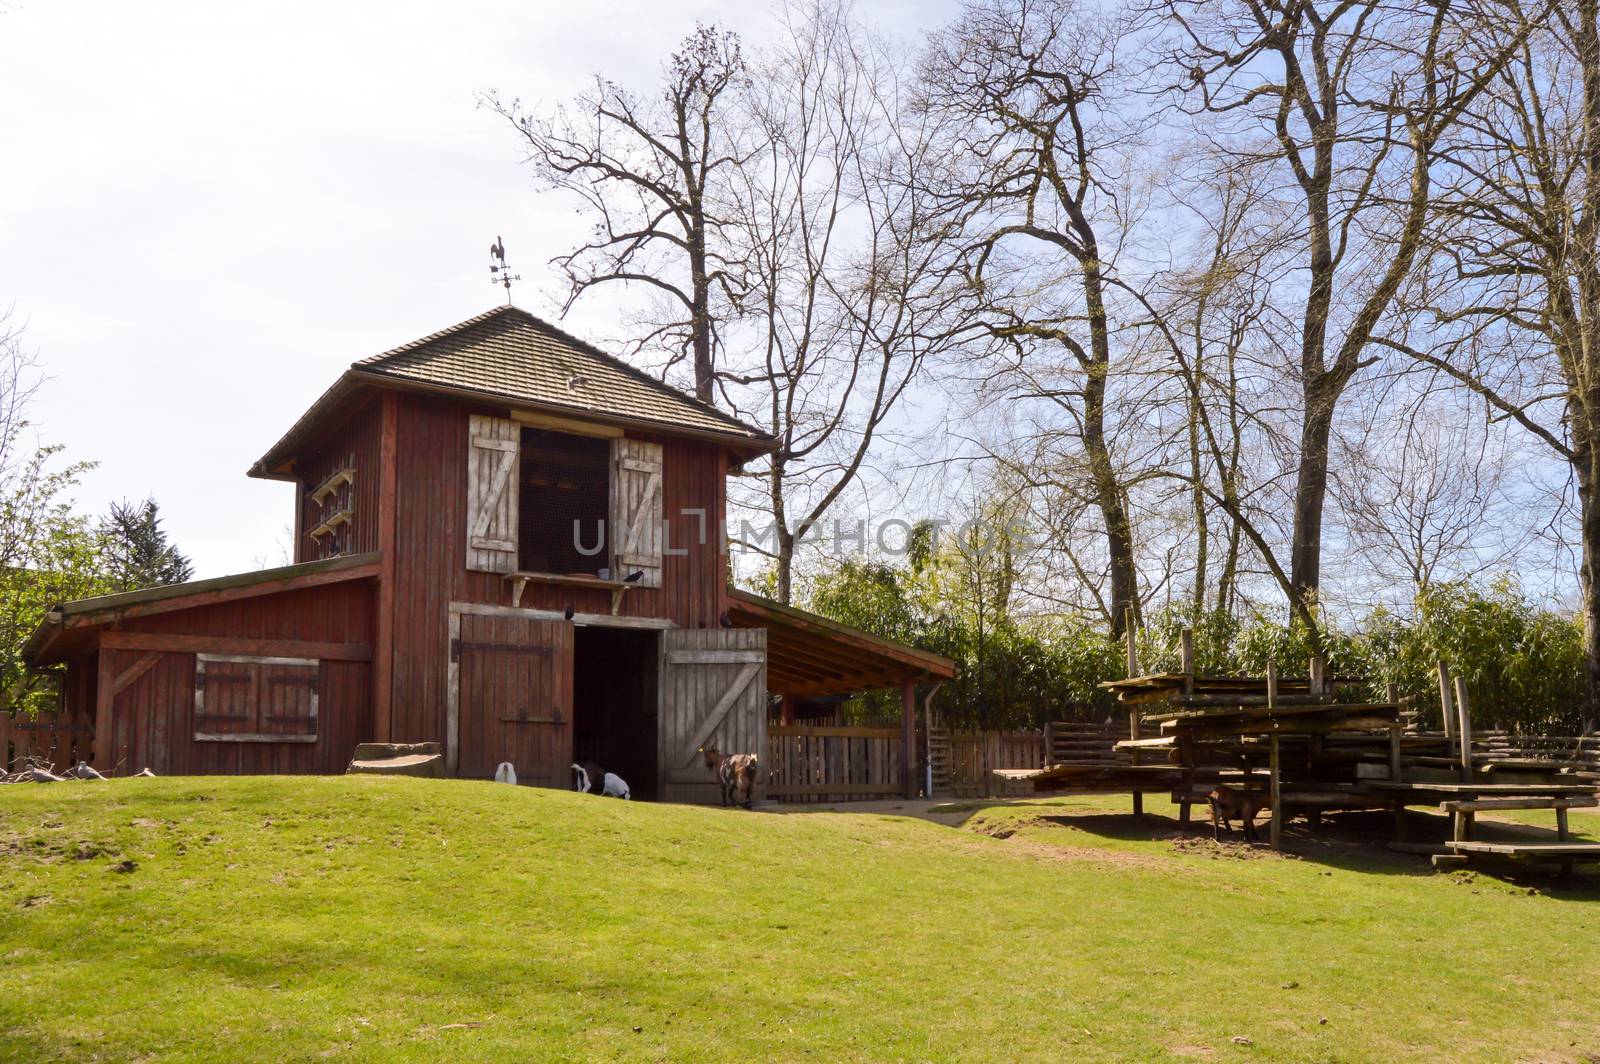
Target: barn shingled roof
509, 352
509, 355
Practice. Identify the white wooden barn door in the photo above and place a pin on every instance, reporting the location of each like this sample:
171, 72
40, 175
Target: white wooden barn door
713, 693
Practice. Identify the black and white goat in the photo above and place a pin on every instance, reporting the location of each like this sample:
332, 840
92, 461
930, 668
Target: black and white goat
590, 778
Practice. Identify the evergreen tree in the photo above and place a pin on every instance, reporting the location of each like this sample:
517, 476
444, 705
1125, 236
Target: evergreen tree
135, 550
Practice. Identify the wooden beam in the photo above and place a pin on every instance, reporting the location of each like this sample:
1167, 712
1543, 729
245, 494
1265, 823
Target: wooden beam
174, 643
229, 589
1186, 656
1274, 784
1131, 635
566, 424
452, 689
908, 738
1446, 703
388, 526
1464, 729
598, 620
131, 674
104, 698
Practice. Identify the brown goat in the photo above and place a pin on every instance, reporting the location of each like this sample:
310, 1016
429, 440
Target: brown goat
1229, 804
735, 772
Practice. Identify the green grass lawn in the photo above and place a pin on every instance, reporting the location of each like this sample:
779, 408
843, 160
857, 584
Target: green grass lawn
289, 919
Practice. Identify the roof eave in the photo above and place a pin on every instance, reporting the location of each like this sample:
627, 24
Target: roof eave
84, 613
936, 666
270, 465
749, 446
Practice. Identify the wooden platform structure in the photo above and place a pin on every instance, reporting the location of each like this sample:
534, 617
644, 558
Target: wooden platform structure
1312, 743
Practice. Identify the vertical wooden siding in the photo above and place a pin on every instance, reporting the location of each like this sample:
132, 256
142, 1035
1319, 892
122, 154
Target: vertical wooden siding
808, 763
153, 717
354, 442
430, 554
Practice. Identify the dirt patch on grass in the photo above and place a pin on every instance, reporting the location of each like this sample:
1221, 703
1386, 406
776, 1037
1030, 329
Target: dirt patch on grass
1228, 851
1039, 843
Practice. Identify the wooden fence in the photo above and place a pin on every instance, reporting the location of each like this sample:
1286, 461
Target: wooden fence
832, 763
966, 769
57, 739
810, 763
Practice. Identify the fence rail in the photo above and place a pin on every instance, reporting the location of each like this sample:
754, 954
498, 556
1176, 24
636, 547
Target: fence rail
811, 763
964, 762
59, 739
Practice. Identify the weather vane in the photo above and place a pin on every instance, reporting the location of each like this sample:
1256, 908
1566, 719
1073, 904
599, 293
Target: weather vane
499, 272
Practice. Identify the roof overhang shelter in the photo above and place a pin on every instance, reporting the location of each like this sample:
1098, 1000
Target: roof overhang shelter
72, 627
810, 656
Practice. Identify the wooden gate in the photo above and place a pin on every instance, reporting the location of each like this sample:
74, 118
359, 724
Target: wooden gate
713, 693
512, 697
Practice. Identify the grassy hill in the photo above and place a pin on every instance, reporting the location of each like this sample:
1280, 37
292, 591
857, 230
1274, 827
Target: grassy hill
232, 919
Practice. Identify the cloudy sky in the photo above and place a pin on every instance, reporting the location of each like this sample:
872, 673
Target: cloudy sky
209, 210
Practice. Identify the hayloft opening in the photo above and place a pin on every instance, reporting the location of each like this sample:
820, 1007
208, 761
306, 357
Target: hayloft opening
564, 501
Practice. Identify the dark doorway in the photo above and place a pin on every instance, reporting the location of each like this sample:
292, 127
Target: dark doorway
614, 703
566, 494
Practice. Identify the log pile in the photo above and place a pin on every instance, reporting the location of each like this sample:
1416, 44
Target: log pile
1311, 742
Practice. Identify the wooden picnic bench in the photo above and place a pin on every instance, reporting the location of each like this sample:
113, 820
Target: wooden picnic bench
1463, 847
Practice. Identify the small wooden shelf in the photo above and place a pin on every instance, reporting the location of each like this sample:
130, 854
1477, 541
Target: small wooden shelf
333, 483
331, 525
520, 581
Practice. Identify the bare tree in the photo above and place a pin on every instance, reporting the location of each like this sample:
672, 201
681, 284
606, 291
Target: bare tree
1030, 93
1348, 100
843, 308
1420, 490
647, 170
1509, 306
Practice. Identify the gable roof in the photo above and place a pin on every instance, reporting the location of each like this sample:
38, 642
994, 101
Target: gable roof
508, 355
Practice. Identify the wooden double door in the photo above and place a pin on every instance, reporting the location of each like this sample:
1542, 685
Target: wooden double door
513, 697
514, 701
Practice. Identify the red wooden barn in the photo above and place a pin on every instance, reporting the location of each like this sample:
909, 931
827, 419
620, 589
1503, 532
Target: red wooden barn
506, 541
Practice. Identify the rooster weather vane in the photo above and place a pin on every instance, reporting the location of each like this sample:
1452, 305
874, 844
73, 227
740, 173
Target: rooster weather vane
499, 272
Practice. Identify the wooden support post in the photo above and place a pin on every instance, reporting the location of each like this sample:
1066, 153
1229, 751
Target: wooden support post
1272, 686
1319, 675
1447, 707
786, 710
1131, 634
1133, 757
383, 662
105, 698
1399, 820
908, 737
1275, 832
1186, 655
1395, 770
1464, 723
1562, 831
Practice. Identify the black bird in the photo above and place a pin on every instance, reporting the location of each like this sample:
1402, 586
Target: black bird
725, 620
634, 577
498, 250
568, 614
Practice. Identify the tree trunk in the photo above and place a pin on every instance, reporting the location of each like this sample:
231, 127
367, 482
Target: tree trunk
1589, 583
1310, 495
1107, 489
700, 313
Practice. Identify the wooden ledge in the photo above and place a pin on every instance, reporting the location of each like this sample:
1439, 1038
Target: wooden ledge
521, 580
